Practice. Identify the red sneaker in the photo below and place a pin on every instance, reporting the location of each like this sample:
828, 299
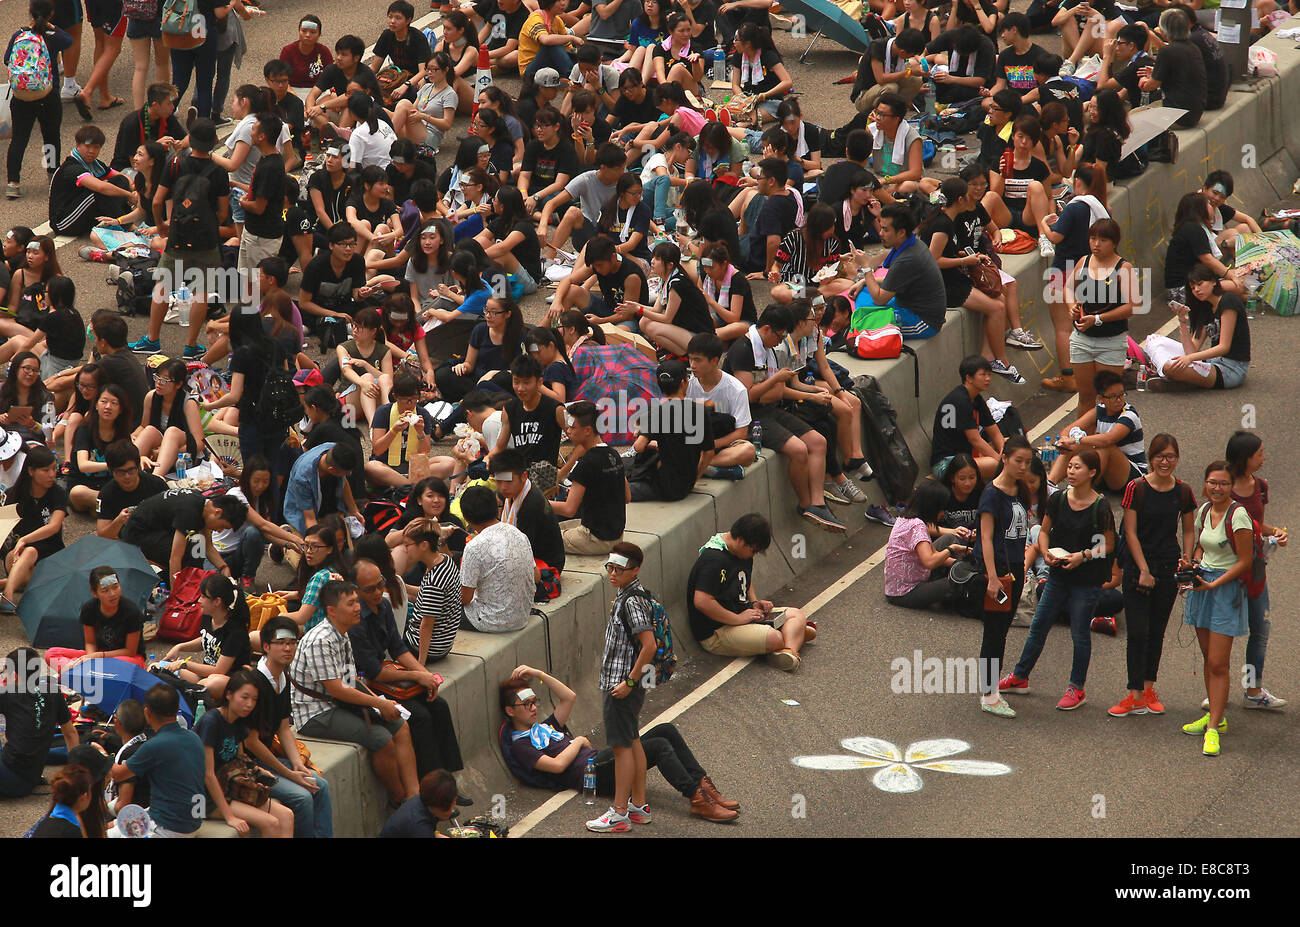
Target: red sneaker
1103, 624
1072, 699
1153, 702
1129, 706
1009, 683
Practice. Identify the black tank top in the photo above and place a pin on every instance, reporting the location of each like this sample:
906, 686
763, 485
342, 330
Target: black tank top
1098, 296
175, 419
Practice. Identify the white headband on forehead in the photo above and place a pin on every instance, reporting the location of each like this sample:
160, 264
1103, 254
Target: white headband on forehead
333, 151
506, 477
526, 694
309, 24
618, 560
107, 581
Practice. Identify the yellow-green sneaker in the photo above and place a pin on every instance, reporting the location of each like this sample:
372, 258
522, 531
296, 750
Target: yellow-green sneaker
1200, 725
1211, 747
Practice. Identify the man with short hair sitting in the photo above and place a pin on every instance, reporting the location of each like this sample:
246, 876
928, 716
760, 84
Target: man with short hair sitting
328, 702
599, 494
173, 763
497, 574
725, 617
913, 285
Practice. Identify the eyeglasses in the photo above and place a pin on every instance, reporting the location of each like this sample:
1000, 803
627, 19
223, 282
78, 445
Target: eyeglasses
159, 378
494, 312
374, 587
885, 114
315, 547
286, 641
86, 386
1165, 457
126, 471
27, 368
1120, 395
529, 703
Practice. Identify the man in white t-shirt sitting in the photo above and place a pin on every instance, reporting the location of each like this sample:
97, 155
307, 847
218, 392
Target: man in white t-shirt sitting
710, 383
497, 573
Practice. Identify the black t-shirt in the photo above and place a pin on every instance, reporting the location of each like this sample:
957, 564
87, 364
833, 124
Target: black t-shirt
224, 737
536, 519
526, 755
613, 286
229, 640
956, 414
1074, 531
65, 193
777, 217
741, 287
268, 182
765, 79
292, 110
329, 289
1017, 69
297, 221
833, 186
604, 503
122, 368
174, 510
334, 199
959, 65
272, 707
627, 113
545, 164
1186, 245
1066, 93
36, 513
536, 434
253, 364
527, 252
407, 54
961, 513
692, 309
679, 447
88, 440
218, 185
721, 574
401, 184
1159, 520
333, 78
1128, 78
1015, 190
613, 222
740, 359
506, 27
1239, 350
720, 225
955, 282
1181, 71
30, 721
113, 498
1217, 75
704, 14
377, 216
111, 631
65, 333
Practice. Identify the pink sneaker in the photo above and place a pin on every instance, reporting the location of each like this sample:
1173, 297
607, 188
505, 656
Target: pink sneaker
1072, 699
1009, 683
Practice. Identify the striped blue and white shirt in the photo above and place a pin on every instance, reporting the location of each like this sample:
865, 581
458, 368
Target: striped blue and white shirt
1134, 445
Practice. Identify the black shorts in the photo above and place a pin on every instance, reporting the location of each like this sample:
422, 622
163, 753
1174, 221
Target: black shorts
67, 13
106, 16
623, 718
779, 426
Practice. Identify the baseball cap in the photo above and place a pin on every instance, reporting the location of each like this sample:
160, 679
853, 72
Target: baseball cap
308, 378
547, 77
672, 373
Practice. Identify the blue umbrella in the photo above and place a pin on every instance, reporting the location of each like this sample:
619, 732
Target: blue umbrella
51, 606
106, 682
830, 21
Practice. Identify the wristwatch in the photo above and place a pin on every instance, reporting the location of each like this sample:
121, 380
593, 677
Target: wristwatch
630, 682
1096, 320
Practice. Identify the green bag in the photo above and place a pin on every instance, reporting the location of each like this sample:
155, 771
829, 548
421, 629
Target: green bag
871, 318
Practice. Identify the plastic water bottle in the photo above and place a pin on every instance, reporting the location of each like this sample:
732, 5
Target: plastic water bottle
1146, 98
719, 63
1142, 378
589, 782
183, 303
756, 435
182, 464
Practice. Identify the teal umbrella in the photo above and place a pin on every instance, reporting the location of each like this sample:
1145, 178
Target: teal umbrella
60, 585
828, 20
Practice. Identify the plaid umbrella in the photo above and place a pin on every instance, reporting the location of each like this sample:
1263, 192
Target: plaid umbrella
614, 376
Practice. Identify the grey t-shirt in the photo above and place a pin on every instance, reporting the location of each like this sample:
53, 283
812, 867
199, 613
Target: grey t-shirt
591, 194
608, 75
498, 565
617, 27
244, 133
427, 281
917, 284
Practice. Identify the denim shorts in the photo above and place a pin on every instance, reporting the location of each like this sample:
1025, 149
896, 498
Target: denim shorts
144, 29
1232, 373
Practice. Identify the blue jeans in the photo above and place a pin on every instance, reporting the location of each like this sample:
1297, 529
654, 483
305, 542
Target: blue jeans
551, 56
1057, 597
1257, 643
313, 816
656, 192
202, 62
246, 556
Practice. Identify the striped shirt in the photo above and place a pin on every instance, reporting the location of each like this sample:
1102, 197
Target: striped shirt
631, 610
439, 597
1134, 445
323, 653
793, 255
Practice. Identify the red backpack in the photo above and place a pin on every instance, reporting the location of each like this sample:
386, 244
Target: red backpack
181, 617
1257, 578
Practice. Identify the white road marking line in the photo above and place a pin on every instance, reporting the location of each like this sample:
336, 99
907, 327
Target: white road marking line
819, 601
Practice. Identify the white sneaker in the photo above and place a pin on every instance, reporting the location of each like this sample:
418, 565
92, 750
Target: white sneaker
1265, 699
1067, 69
1020, 338
69, 90
863, 472
1045, 246
611, 822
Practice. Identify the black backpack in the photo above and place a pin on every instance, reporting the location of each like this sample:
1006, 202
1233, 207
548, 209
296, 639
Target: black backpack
134, 285
278, 406
886, 448
194, 225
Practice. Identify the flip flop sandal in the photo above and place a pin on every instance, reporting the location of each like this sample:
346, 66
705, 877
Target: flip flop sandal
116, 101
83, 108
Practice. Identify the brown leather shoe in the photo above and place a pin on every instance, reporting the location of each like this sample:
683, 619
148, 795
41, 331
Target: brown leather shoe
711, 790
705, 807
1061, 382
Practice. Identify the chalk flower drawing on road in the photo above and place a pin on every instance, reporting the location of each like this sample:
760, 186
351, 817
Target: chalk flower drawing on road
898, 768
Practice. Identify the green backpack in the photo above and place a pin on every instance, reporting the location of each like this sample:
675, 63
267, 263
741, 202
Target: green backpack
665, 659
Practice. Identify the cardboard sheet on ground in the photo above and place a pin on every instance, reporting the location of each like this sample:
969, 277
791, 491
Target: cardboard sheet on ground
1146, 124
9, 519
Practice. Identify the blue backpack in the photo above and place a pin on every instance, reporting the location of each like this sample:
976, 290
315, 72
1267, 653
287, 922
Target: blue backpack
1086, 87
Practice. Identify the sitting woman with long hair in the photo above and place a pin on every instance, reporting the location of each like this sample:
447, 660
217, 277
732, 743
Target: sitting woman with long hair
26, 406
222, 644
172, 422
108, 421
42, 507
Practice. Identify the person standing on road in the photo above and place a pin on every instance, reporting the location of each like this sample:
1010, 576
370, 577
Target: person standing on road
1245, 455
1158, 508
1084, 528
1216, 606
1004, 526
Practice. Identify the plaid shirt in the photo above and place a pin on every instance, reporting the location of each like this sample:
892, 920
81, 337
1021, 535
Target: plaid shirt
323, 653
606, 370
628, 611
